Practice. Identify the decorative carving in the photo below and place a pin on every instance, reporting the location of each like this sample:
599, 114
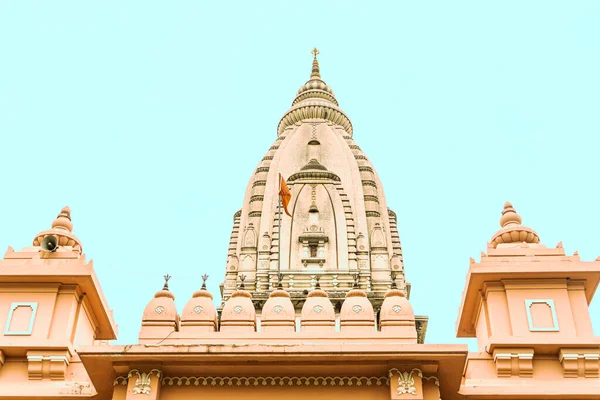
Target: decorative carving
406, 383
276, 381
159, 310
406, 380
120, 380
142, 383
318, 309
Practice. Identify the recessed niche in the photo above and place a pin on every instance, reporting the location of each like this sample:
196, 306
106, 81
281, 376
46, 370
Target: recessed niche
541, 315
21, 317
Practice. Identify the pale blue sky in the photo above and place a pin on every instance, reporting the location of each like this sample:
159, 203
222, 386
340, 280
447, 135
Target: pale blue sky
148, 118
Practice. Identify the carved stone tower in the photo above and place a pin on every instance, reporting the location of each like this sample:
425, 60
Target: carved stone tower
341, 229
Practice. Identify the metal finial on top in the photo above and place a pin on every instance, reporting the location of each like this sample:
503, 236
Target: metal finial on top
280, 281
355, 276
393, 276
204, 278
167, 277
242, 279
317, 283
315, 74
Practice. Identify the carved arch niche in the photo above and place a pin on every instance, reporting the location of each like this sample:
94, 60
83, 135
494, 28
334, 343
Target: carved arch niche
314, 237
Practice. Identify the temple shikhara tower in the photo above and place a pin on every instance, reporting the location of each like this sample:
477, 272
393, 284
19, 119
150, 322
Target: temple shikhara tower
314, 302
340, 229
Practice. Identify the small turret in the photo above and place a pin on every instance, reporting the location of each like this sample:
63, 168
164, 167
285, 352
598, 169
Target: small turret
160, 315
199, 314
357, 313
397, 316
278, 313
238, 313
318, 314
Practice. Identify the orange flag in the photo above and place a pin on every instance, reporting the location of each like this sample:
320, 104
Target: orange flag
284, 194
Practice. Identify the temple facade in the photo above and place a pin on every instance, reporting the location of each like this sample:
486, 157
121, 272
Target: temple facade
313, 304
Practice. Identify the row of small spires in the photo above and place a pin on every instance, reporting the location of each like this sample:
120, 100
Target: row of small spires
278, 313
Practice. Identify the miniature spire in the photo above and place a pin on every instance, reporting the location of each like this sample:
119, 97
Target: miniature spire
63, 220
166, 285
315, 67
204, 278
509, 216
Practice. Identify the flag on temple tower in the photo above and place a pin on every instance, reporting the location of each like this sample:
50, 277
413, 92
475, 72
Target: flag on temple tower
284, 194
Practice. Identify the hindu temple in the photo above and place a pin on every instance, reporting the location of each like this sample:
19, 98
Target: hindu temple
314, 301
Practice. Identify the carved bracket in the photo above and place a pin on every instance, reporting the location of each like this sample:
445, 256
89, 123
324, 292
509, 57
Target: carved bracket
580, 362
142, 384
42, 365
514, 362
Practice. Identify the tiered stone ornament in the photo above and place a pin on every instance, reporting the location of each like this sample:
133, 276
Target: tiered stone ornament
62, 229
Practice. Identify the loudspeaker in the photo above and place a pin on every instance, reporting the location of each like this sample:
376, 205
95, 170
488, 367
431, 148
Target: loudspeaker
50, 243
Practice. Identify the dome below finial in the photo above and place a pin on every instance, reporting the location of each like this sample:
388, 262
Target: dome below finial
315, 100
512, 231
62, 228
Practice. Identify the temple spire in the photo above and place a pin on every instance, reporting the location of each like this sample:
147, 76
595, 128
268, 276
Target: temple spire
315, 67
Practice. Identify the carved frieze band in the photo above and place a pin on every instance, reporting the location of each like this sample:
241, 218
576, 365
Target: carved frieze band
267, 381
277, 381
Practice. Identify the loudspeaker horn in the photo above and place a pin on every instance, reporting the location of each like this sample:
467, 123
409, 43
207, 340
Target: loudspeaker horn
50, 243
